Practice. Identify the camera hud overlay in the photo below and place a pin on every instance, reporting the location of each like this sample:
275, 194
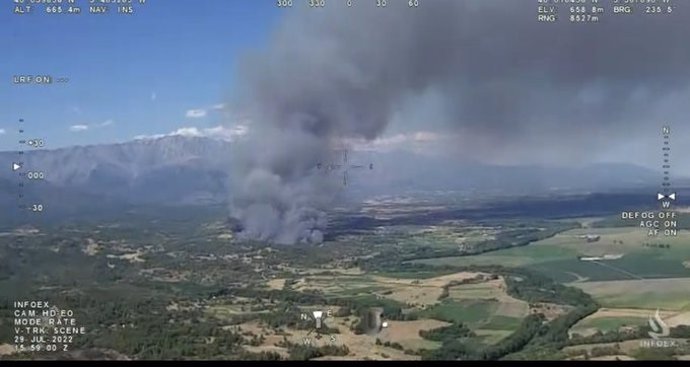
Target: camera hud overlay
345, 180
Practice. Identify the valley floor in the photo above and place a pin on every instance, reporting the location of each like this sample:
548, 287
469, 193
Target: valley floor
460, 289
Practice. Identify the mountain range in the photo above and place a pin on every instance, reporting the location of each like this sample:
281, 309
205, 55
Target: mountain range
183, 170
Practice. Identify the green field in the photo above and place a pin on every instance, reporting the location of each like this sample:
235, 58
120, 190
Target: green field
491, 336
426, 274
517, 256
477, 314
504, 323
474, 291
340, 284
467, 312
446, 236
667, 294
359, 291
557, 257
605, 324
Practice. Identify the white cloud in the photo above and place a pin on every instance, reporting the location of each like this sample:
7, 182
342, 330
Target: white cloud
196, 113
78, 128
149, 137
203, 112
2, 131
218, 132
227, 133
84, 127
187, 131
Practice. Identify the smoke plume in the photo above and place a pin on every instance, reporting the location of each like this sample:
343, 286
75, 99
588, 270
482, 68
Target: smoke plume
506, 84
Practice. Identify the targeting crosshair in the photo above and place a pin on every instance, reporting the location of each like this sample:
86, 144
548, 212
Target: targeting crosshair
318, 317
345, 166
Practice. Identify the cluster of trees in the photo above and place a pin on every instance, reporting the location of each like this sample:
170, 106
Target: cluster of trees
289, 316
615, 336
552, 336
348, 305
478, 279
455, 331
680, 331
307, 352
457, 348
261, 356
612, 336
529, 327
171, 341
277, 295
521, 283
162, 334
141, 327
654, 354
535, 338
517, 234
257, 340
505, 239
394, 345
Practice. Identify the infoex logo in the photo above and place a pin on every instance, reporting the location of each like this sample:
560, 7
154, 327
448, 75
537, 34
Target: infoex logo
659, 334
659, 327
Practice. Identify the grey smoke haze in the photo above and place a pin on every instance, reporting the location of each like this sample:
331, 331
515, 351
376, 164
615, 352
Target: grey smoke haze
510, 88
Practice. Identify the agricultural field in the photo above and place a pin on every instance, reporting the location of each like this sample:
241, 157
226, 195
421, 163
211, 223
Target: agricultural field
478, 300
507, 283
640, 278
448, 235
610, 319
666, 294
557, 257
358, 346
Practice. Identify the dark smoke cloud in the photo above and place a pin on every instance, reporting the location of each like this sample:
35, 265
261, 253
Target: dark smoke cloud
511, 86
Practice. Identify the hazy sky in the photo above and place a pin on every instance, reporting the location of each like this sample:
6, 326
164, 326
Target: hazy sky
480, 80
164, 68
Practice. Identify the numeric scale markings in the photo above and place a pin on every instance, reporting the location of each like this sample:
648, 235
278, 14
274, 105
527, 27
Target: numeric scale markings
19, 165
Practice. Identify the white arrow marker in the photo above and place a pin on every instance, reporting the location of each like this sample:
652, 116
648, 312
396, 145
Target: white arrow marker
672, 196
660, 196
16, 166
